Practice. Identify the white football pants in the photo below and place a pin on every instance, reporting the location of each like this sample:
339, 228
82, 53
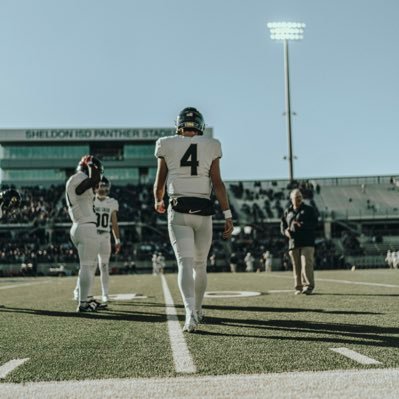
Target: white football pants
85, 238
191, 238
104, 255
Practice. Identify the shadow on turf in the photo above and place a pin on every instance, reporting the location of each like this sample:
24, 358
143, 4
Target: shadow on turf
283, 310
350, 333
119, 315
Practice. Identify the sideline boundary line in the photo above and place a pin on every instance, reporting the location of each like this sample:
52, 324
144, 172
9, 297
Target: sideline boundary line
334, 384
181, 355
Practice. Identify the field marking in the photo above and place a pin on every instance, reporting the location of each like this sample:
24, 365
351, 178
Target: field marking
231, 294
181, 355
347, 282
356, 356
122, 297
23, 285
358, 283
6, 368
336, 384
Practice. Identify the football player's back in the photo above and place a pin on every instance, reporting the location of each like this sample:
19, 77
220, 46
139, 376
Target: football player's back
189, 160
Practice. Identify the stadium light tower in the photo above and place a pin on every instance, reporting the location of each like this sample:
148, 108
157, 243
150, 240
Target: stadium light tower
286, 31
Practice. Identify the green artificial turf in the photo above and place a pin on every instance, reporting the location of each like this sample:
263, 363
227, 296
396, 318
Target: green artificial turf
272, 332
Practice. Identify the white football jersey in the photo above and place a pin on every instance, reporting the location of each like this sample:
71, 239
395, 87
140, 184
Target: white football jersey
104, 209
80, 207
189, 160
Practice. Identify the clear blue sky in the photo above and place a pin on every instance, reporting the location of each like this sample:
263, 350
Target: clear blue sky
131, 63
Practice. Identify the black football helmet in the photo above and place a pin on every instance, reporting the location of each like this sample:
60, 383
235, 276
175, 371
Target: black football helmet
104, 185
191, 119
10, 199
87, 160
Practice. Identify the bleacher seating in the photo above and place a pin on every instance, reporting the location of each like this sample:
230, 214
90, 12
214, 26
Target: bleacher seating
40, 231
358, 202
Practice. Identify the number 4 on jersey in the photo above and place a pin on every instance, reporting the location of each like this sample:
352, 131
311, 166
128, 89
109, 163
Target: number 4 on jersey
190, 159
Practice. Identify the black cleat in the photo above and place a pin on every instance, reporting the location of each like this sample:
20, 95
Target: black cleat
86, 308
98, 305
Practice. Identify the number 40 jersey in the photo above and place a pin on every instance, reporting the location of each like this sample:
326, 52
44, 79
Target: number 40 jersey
104, 209
188, 160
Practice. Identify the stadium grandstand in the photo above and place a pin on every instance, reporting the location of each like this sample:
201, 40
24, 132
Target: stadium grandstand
359, 216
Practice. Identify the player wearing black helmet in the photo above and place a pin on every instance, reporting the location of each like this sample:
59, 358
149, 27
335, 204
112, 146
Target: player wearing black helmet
188, 164
106, 209
190, 119
80, 201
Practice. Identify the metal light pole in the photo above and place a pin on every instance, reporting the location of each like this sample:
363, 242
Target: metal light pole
285, 31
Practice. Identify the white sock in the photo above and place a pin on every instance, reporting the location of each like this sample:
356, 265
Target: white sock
92, 272
104, 270
185, 281
200, 283
84, 282
77, 283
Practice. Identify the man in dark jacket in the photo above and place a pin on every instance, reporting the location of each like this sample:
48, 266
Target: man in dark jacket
298, 224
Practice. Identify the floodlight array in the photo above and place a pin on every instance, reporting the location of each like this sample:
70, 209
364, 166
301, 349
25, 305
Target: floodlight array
286, 30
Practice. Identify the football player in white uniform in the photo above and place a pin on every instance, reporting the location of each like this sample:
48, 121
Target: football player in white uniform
106, 209
188, 164
79, 195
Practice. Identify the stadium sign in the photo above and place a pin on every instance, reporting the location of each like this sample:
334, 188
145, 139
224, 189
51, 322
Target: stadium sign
39, 135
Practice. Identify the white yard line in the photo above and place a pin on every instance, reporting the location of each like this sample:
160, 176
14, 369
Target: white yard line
337, 384
345, 281
6, 368
356, 356
358, 283
181, 355
23, 285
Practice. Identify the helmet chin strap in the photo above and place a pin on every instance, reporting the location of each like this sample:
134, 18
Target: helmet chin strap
101, 197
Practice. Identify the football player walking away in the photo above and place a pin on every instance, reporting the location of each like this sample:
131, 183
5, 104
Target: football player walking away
188, 163
106, 209
10, 200
79, 195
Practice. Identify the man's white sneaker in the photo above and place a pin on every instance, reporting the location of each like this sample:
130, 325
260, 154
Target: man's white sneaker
105, 298
191, 324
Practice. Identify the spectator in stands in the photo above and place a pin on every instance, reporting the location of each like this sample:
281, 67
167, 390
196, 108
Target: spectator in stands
389, 259
249, 262
212, 263
156, 269
298, 224
395, 259
233, 262
268, 260
285, 261
161, 262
